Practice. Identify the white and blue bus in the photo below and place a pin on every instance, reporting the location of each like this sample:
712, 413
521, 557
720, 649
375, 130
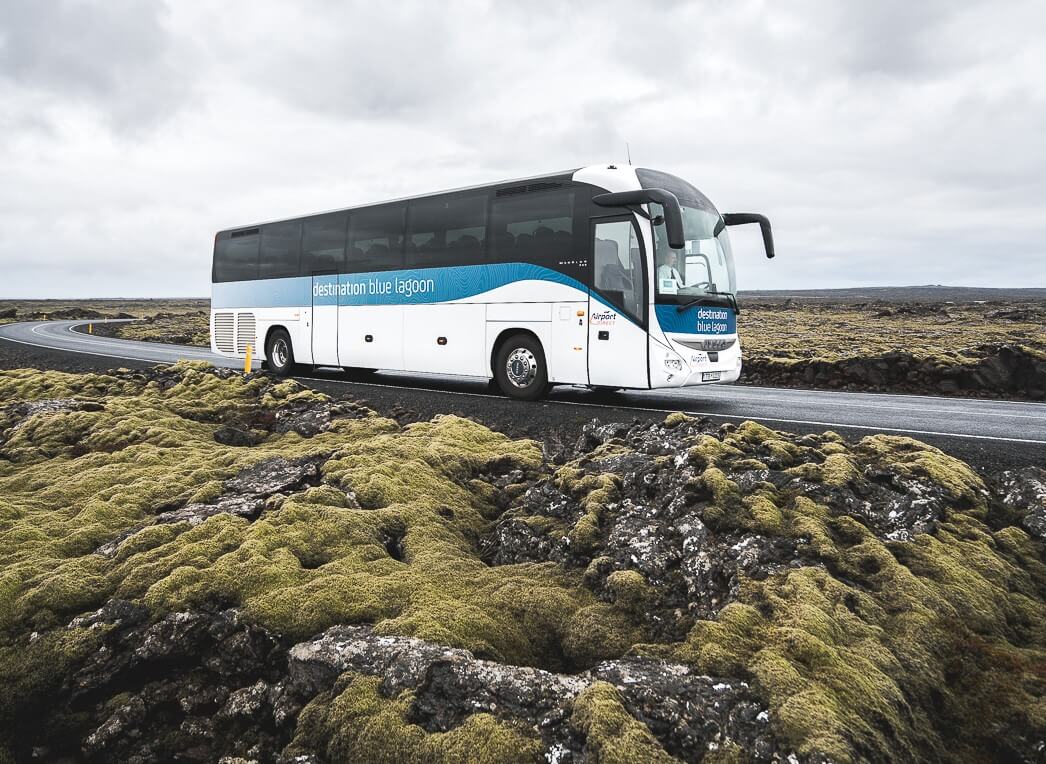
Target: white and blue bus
607, 276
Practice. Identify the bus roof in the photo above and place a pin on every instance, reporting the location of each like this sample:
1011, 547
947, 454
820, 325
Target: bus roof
564, 175
611, 177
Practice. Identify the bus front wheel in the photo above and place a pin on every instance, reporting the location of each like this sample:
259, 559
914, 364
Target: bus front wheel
280, 353
519, 368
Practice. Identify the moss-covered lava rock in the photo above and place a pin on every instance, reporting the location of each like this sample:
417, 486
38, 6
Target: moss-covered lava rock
202, 564
985, 348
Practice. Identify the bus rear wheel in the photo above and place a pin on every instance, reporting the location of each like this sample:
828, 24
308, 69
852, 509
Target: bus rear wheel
280, 353
519, 368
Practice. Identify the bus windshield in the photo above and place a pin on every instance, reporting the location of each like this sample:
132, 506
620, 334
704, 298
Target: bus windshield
705, 265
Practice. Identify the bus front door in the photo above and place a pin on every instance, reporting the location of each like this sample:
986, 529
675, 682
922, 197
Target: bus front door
617, 341
325, 320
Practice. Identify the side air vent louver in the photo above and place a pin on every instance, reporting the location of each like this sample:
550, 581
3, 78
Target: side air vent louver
223, 332
545, 185
247, 232
245, 332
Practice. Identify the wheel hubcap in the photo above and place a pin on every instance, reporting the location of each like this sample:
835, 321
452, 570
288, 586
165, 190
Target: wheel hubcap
521, 367
280, 353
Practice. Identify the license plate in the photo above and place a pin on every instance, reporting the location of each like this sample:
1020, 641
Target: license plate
710, 376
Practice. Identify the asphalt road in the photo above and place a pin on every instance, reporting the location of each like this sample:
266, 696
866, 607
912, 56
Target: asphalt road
997, 433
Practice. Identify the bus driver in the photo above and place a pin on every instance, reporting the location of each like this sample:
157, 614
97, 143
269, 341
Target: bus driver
668, 277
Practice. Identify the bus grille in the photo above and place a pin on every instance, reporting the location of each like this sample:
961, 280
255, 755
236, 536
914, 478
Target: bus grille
245, 332
223, 331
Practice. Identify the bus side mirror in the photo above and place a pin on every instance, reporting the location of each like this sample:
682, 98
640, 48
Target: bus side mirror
743, 218
668, 201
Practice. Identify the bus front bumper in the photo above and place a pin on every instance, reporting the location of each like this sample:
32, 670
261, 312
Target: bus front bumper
683, 367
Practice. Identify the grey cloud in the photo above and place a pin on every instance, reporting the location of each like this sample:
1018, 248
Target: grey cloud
888, 142
113, 55
893, 37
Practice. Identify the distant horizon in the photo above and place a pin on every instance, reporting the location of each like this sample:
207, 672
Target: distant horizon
1036, 290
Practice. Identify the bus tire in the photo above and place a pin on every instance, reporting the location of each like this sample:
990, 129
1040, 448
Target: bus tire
279, 352
519, 368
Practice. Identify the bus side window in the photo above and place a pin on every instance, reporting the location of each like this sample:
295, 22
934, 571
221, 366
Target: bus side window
376, 239
280, 250
323, 244
619, 266
536, 228
236, 256
447, 230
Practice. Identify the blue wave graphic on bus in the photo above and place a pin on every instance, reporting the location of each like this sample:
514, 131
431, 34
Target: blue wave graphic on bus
293, 292
416, 286
699, 319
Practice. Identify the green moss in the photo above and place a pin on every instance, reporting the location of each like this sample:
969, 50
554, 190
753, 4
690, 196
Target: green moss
708, 451
593, 492
727, 753
948, 335
187, 328
932, 648
772, 446
355, 722
677, 418
765, 516
630, 589
612, 735
33, 670
836, 470
911, 458
847, 654
746, 465
599, 632
408, 562
725, 494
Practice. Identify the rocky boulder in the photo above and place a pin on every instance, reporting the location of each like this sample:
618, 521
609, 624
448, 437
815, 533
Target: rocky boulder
689, 714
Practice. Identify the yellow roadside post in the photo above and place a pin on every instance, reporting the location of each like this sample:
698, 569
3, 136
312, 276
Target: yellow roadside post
247, 361
90, 328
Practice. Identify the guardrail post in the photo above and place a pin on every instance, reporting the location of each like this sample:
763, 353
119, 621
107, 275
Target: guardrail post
247, 360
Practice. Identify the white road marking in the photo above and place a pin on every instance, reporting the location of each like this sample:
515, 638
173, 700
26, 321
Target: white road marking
117, 356
872, 404
709, 414
890, 395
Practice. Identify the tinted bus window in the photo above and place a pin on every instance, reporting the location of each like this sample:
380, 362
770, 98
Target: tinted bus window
323, 244
236, 256
376, 238
619, 266
534, 228
447, 230
280, 250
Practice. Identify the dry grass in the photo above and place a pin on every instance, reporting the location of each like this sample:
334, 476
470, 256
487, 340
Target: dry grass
835, 331
142, 308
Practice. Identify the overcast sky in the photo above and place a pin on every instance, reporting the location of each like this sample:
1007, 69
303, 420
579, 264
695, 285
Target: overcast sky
889, 142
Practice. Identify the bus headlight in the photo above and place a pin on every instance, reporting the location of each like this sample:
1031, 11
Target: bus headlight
674, 364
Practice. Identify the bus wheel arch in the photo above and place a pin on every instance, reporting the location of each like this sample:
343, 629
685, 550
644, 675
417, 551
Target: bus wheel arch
519, 365
279, 351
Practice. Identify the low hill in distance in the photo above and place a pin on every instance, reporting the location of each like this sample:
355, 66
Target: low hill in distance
930, 293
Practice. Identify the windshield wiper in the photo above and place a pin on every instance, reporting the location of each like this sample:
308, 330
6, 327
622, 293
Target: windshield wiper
731, 301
